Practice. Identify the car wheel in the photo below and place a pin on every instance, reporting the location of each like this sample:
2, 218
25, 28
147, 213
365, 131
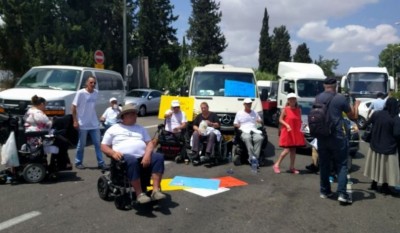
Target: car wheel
142, 110
361, 122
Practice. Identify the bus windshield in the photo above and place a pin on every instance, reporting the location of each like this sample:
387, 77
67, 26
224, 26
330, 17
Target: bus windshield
231, 84
367, 82
48, 78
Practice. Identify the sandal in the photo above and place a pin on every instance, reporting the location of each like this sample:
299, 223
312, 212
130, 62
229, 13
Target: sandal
276, 169
294, 171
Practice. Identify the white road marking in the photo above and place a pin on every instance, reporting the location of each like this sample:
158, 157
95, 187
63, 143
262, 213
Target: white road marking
150, 126
19, 219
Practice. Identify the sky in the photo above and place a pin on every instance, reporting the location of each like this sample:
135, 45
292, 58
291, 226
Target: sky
352, 31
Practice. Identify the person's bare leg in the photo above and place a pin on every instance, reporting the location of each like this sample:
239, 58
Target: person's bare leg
281, 157
137, 186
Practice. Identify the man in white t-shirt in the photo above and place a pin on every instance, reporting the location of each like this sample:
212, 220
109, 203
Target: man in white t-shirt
109, 116
246, 121
86, 122
132, 142
175, 119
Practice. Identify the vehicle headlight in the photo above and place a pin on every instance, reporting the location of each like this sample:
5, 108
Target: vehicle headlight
55, 108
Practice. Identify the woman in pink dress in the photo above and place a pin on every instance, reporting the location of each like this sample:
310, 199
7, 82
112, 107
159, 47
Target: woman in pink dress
291, 136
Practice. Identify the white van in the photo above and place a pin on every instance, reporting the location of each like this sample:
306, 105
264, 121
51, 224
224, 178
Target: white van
224, 88
58, 85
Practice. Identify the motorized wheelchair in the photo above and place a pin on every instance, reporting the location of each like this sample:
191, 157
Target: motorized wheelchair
115, 185
220, 150
240, 154
34, 166
172, 146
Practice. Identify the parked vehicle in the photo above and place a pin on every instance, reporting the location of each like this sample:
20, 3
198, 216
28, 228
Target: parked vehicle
364, 83
224, 88
268, 91
58, 85
147, 100
363, 112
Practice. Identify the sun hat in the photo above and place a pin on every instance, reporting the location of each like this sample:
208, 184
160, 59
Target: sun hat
291, 95
127, 108
113, 99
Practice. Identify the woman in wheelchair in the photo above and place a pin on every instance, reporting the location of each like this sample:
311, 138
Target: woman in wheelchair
132, 142
203, 130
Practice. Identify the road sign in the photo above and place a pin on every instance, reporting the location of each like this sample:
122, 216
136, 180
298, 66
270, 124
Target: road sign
99, 57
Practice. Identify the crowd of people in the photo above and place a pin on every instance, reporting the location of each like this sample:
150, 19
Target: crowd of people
125, 139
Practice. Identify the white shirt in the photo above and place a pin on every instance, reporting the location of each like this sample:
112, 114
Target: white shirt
110, 115
128, 139
175, 120
247, 121
85, 103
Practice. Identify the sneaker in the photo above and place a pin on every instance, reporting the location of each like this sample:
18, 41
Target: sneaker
143, 198
345, 199
157, 195
325, 196
80, 166
312, 168
103, 166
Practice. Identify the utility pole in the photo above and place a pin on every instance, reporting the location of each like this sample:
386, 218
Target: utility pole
124, 40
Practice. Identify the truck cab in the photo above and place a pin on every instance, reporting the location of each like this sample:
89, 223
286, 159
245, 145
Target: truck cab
224, 87
367, 82
304, 79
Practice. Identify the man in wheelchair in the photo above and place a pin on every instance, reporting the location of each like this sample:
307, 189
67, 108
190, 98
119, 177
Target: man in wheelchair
132, 142
205, 127
246, 122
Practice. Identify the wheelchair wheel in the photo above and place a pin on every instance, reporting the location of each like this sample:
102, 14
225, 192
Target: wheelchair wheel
103, 189
34, 173
123, 202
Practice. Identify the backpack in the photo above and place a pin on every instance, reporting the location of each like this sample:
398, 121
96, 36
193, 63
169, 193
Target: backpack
319, 121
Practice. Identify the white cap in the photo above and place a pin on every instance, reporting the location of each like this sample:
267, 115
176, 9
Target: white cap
247, 101
291, 95
113, 99
175, 103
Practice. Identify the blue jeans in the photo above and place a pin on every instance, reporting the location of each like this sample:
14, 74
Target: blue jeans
334, 150
95, 136
134, 165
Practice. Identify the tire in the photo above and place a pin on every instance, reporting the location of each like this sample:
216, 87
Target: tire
123, 202
142, 110
361, 122
103, 188
34, 173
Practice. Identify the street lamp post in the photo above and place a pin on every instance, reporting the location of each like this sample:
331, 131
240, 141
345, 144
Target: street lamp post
124, 40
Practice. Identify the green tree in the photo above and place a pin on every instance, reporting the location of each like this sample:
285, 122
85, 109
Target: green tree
280, 47
327, 65
390, 58
61, 32
206, 39
155, 35
302, 54
265, 55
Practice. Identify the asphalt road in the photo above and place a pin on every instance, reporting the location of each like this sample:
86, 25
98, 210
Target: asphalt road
269, 203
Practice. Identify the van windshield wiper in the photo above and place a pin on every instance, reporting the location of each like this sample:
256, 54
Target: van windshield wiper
50, 87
